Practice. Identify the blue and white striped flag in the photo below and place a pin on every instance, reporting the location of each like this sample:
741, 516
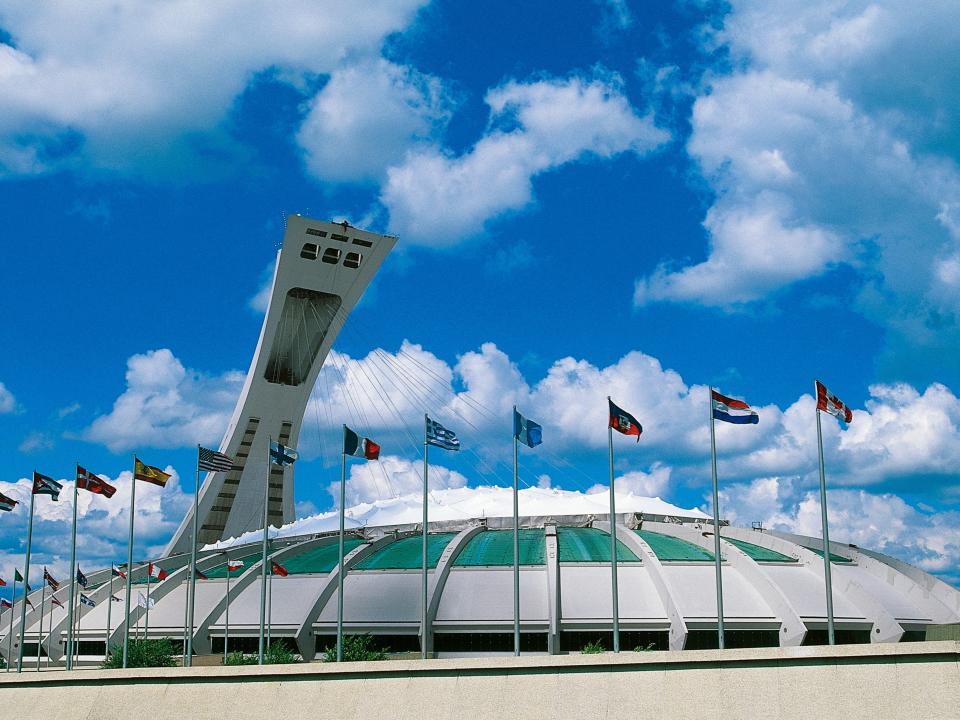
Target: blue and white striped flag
439, 436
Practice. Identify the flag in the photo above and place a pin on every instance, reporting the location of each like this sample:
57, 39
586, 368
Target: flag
117, 572
623, 422
116, 599
86, 480
199, 575
6, 503
56, 602
149, 473
3, 582
17, 577
828, 403
234, 565
358, 446
214, 461
439, 436
43, 485
732, 411
28, 599
142, 601
526, 431
84, 600
81, 578
278, 569
50, 581
155, 571
4, 604
282, 455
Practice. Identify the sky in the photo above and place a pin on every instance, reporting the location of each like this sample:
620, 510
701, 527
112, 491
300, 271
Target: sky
641, 200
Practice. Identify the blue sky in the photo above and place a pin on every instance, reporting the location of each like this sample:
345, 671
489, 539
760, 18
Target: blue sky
635, 199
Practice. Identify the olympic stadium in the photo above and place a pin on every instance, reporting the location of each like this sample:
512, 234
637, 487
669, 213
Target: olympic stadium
773, 582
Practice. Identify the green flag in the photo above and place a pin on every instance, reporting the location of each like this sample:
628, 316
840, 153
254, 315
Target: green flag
17, 576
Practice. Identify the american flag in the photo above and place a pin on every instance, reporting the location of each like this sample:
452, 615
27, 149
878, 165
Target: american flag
214, 461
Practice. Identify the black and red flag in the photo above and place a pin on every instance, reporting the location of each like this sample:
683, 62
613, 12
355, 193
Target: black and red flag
623, 422
278, 569
6, 503
54, 585
86, 480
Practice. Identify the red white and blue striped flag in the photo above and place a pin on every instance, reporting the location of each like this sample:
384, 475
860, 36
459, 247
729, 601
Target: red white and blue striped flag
733, 411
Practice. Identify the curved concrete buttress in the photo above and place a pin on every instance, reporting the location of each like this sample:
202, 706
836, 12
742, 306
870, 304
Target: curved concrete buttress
678, 626
792, 628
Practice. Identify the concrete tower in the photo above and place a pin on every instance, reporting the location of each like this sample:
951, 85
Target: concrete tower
321, 272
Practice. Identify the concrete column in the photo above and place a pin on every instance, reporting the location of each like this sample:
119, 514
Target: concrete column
552, 553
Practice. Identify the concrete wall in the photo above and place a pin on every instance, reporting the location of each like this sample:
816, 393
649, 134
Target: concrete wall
909, 680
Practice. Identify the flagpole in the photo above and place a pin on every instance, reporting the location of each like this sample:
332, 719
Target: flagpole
827, 577
716, 523
269, 605
73, 562
423, 602
263, 563
49, 629
43, 599
613, 545
106, 642
26, 582
126, 604
226, 626
193, 562
13, 603
516, 546
343, 495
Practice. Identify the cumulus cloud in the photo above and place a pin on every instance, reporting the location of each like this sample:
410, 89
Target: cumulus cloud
393, 476
166, 405
367, 117
8, 403
535, 127
115, 85
34, 442
832, 141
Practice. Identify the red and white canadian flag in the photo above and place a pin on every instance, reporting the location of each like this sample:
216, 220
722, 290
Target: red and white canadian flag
829, 403
157, 572
234, 565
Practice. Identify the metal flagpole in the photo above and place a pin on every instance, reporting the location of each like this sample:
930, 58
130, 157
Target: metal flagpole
43, 599
716, 523
106, 642
49, 630
269, 604
226, 627
263, 562
126, 603
516, 547
26, 583
13, 602
827, 577
423, 602
343, 495
188, 658
73, 574
613, 546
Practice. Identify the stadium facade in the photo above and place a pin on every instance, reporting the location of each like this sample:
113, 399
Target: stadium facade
773, 583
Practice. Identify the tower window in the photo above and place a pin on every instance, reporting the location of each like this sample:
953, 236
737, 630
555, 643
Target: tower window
362, 243
318, 233
331, 255
309, 251
353, 260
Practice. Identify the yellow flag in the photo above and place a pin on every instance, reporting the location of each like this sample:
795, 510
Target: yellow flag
148, 473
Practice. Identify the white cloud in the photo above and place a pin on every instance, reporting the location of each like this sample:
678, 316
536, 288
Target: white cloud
654, 484
35, 441
393, 476
166, 405
832, 141
367, 117
8, 403
95, 82
551, 123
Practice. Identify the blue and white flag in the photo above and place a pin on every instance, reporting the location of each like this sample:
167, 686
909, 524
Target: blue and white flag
282, 455
526, 431
439, 436
84, 600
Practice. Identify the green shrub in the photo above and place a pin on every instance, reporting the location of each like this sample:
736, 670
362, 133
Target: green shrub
142, 653
356, 647
592, 648
649, 647
277, 654
3, 663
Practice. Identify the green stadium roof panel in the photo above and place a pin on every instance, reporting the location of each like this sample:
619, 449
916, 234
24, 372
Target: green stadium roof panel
669, 548
495, 548
168, 566
407, 553
321, 559
834, 558
583, 544
220, 571
760, 554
